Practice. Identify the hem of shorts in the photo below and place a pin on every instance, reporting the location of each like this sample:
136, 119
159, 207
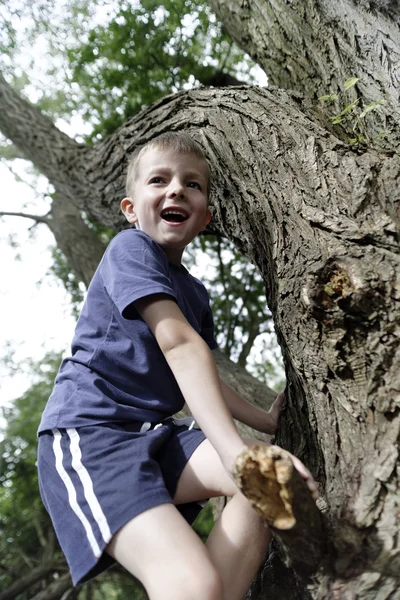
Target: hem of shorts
80, 576
190, 448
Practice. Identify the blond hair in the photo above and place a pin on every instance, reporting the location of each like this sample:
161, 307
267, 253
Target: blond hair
171, 140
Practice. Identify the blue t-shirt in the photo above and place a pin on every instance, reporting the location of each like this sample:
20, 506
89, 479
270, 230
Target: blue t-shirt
117, 371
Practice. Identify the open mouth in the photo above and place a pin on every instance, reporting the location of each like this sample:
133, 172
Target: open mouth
174, 215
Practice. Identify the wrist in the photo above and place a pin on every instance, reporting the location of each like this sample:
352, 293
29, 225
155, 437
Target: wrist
270, 425
228, 458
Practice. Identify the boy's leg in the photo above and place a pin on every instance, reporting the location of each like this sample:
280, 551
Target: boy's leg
163, 552
239, 539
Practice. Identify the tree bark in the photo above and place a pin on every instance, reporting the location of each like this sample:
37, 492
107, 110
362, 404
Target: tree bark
79, 243
321, 220
52, 151
268, 479
313, 46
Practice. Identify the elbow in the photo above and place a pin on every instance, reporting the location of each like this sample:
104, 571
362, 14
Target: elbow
181, 344
172, 338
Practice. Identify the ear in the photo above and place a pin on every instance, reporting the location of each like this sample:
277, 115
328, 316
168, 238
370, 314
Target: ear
128, 209
207, 218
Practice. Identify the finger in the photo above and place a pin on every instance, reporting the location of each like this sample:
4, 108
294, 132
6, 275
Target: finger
277, 403
304, 472
306, 475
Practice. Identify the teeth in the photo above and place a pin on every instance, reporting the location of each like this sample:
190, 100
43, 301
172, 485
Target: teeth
174, 212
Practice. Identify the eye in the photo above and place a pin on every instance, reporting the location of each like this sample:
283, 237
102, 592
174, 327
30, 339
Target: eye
156, 180
194, 184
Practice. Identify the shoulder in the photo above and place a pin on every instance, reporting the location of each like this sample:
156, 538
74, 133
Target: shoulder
133, 238
133, 244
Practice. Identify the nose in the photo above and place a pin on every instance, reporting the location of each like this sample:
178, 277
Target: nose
176, 189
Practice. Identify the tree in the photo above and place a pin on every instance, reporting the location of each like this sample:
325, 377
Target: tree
312, 201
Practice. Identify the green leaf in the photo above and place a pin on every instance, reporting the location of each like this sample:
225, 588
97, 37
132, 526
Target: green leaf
350, 82
347, 109
383, 134
357, 139
370, 107
330, 97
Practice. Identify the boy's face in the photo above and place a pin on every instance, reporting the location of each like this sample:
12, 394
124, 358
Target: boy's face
169, 199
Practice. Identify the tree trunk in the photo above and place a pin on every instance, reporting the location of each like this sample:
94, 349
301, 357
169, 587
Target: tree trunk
320, 219
314, 46
79, 243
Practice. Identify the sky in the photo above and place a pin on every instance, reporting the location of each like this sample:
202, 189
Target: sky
35, 313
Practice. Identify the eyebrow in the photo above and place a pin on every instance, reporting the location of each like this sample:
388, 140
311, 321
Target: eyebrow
188, 174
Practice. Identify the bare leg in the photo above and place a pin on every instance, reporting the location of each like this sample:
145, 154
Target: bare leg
238, 544
163, 552
239, 540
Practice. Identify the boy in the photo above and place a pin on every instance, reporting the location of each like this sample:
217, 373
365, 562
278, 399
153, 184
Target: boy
119, 476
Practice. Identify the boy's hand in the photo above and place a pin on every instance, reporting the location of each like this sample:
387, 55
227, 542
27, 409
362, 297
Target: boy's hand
306, 475
298, 465
274, 414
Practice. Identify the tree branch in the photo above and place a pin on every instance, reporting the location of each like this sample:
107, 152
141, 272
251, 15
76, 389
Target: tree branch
55, 590
37, 218
253, 333
57, 155
268, 479
40, 533
24, 582
243, 383
11, 152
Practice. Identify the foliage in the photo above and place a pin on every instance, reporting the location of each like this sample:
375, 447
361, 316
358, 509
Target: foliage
42, 27
204, 522
145, 52
353, 115
237, 296
62, 270
108, 60
23, 519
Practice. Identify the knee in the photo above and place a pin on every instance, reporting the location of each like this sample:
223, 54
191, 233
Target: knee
204, 584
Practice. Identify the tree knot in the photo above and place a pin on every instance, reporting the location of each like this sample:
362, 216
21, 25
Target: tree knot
338, 290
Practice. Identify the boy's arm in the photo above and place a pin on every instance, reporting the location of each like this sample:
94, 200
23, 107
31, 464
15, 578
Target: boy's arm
193, 366
251, 415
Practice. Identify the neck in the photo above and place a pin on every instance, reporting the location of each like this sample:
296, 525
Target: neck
174, 256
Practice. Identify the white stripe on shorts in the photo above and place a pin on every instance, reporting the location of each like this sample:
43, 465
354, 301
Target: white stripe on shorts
87, 483
72, 493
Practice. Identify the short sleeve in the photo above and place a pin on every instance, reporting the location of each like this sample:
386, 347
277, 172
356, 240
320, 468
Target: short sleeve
134, 267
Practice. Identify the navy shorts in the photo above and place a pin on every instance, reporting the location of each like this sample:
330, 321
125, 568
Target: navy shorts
94, 479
